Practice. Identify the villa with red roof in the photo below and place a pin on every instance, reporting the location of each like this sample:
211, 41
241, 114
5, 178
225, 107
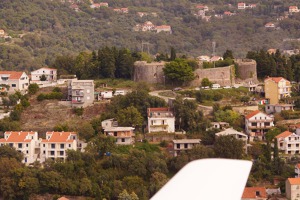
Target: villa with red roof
257, 124
292, 186
293, 9
288, 142
277, 88
24, 142
163, 28
255, 193
17, 81
49, 73
161, 120
56, 144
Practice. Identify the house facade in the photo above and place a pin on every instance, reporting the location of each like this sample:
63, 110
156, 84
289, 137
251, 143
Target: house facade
258, 123
236, 134
277, 108
277, 88
161, 120
184, 145
56, 144
81, 92
297, 170
123, 135
293, 9
108, 123
24, 142
17, 81
254, 193
288, 142
163, 28
49, 73
292, 188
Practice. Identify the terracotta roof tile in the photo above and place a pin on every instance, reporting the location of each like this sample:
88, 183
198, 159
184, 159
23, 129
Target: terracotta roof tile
13, 74
294, 181
17, 136
251, 192
158, 109
252, 114
275, 79
284, 134
57, 137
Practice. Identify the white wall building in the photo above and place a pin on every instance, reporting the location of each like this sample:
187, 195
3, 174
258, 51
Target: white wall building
49, 73
258, 123
24, 142
292, 190
17, 81
81, 92
56, 144
108, 123
184, 145
277, 108
288, 142
160, 120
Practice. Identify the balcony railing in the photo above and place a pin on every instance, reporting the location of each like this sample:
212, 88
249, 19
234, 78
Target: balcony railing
77, 101
260, 127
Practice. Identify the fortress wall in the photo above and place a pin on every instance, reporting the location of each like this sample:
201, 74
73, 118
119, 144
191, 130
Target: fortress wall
149, 72
220, 75
246, 69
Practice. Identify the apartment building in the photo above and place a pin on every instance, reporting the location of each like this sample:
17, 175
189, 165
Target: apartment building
288, 142
49, 73
56, 144
24, 142
277, 88
258, 123
184, 145
81, 92
15, 80
160, 120
123, 135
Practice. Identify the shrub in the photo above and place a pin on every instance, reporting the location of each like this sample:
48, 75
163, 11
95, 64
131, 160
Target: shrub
15, 115
41, 97
56, 89
217, 97
33, 88
78, 111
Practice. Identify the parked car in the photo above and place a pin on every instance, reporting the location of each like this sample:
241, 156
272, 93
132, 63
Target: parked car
227, 87
177, 89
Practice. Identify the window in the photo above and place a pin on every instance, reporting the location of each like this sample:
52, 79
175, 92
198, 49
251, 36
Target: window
44, 145
11, 144
26, 145
115, 133
52, 146
178, 146
61, 153
70, 145
52, 153
62, 146
44, 152
289, 145
20, 145
27, 152
25, 160
13, 85
185, 146
297, 145
123, 139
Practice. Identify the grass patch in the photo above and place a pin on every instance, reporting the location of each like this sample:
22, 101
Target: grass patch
115, 83
167, 94
147, 147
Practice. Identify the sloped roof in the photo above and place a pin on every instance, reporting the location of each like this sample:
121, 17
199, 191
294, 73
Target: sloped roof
252, 114
284, 134
158, 109
250, 192
57, 137
275, 79
17, 136
13, 74
294, 181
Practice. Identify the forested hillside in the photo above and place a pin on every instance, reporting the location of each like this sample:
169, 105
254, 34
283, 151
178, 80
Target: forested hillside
42, 30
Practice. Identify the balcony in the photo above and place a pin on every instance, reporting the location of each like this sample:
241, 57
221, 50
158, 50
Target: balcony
260, 120
159, 126
260, 127
78, 93
77, 101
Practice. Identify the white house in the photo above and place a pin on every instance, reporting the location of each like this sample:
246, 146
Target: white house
56, 144
184, 145
160, 120
236, 134
123, 135
49, 73
106, 95
288, 142
17, 81
292, 190
108, 123
24, 142
258, 123
277, 108
219, 125
293, 9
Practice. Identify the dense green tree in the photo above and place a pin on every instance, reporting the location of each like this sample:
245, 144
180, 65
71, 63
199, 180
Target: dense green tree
205, 82
178, 71
33, 88
228, 147
129, 116
228, 55
173, 54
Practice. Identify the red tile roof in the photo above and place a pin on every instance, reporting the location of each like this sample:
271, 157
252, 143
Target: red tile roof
284, 134
294, 181
252, 114
275, 79
13, 74
158, 109
59, 137
17, 137
251, 192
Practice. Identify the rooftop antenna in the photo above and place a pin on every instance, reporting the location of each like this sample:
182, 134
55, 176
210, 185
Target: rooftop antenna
147, 45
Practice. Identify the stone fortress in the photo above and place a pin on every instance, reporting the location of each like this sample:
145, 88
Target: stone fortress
225, 76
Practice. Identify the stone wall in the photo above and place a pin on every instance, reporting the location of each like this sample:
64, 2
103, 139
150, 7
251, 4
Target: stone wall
221, 75
149, 72
246, 69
